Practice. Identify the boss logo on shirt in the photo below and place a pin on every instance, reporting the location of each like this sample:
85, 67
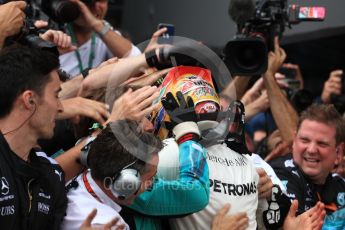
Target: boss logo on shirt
233, 189
44, 208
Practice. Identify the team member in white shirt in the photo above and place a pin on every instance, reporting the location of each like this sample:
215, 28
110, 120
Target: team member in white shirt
95, 38
122, 163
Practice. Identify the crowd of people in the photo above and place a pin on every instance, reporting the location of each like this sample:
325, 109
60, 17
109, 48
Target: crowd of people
96, 134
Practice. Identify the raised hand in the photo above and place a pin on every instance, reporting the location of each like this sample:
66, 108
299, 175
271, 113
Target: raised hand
309, 220
182, 115
265, 184
135, 105
110, 225
332, 86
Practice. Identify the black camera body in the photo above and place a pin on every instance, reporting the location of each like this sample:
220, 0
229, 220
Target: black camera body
56, 12
258, 22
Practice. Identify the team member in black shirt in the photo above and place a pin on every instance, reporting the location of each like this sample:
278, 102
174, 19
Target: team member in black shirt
307, 172
32, 193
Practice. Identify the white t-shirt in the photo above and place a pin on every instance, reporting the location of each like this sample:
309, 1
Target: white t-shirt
81, 203
233, 179
69, 61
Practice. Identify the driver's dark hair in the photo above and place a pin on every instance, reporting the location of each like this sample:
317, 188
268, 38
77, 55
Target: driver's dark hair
118, 145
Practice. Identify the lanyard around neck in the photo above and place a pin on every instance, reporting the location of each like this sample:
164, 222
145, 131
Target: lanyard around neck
92, 50
88, 187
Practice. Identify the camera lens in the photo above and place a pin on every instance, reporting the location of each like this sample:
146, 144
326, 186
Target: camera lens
246, 56
65, 11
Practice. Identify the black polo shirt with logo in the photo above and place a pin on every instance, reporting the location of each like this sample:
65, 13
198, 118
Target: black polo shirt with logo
32, 194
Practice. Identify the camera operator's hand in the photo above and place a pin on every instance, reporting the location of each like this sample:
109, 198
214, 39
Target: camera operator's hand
90, 20
276, 58
12, 18
60, 39
182, 115
332, 86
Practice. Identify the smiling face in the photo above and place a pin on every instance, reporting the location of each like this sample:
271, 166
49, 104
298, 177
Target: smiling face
314, 149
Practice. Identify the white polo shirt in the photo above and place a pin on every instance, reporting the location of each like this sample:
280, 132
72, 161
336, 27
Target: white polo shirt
81, 203
69, 61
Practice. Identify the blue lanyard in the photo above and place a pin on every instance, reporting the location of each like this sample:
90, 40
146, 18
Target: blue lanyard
77, 54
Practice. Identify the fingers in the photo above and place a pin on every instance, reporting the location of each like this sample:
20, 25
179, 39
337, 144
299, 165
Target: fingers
280, 150
112, 223
293, 208
265, 184
159, 32
315, 215
135, 105
242, 222
280, 78
169, 102
190, 102
145, 92
67, 50
181, 100
89, 218
98, 111
39, 24
147, 105
14, 14
337, 73
59, 38
19, 4
218, 219
276, 45
224, 210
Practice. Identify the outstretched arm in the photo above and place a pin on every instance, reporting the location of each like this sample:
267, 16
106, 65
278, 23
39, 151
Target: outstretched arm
190, 192
118, 45
284, 114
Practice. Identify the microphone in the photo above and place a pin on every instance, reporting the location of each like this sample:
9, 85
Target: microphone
241, 11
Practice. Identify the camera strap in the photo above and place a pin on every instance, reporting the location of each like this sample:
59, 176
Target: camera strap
77, 54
